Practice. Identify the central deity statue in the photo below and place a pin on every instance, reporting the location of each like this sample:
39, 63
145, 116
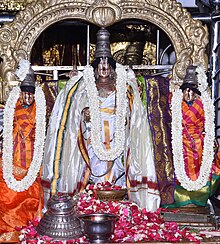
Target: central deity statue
99, 132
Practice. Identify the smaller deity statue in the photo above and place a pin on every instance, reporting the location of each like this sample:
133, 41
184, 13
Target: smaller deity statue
196, 166
23, 142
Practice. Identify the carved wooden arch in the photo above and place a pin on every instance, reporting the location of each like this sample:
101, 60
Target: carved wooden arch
189, 37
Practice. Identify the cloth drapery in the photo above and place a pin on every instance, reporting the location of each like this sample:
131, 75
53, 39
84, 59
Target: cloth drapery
193, 142
157, 95
17, 208
64, 164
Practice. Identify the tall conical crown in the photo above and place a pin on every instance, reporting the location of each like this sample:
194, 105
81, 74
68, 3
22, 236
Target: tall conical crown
29, 79
191, 75
191, 81
103, 45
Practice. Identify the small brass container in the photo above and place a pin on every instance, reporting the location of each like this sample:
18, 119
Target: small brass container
114, 195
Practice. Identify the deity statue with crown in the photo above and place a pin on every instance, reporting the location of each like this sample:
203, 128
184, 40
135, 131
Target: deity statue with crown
99, 132
23, 144
196, 162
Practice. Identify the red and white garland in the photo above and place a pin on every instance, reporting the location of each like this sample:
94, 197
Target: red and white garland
7, 157
177, 144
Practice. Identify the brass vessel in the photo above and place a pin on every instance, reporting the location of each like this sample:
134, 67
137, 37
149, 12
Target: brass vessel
113, 195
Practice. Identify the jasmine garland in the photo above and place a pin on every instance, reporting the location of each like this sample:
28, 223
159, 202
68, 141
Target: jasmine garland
7, 157
121, 106
177, 144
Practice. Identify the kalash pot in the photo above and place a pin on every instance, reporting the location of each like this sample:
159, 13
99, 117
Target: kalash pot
60, 221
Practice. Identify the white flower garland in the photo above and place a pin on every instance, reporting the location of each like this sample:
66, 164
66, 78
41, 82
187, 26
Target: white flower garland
121, 106
177, 144
7, 157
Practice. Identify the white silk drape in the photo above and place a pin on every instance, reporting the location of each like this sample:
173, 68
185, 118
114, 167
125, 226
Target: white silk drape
138, 141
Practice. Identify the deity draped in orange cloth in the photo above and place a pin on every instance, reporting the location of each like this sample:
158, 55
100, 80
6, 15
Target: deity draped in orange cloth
19, 207
194, 131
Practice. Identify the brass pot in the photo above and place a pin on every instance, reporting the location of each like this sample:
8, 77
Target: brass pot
114, 195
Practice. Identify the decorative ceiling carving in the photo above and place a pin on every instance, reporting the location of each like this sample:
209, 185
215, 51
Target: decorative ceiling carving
103, 13
13, 5
189, 37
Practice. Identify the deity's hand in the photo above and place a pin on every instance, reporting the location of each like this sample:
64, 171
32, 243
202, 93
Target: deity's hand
26, 98
86, 113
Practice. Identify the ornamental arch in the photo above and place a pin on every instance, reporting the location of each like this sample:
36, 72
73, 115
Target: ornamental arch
188, 36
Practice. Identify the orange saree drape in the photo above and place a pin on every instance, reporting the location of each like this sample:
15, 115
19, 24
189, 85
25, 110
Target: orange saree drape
193, 137
193, 143
17, 208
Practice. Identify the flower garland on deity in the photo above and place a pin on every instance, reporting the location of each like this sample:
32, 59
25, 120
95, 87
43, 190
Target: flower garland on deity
209, 130
7, 156
121, 106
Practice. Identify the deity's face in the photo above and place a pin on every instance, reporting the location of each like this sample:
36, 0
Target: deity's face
27, 98
189, 95
104, 68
